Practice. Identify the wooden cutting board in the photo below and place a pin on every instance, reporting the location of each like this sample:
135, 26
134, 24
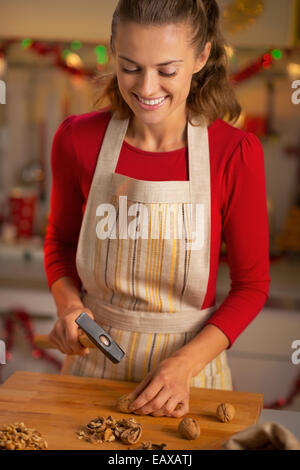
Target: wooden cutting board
58, 405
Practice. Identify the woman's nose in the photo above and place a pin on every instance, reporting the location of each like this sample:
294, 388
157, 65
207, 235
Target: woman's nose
149, 84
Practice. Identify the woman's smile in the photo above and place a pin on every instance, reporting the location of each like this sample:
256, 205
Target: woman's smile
150, 105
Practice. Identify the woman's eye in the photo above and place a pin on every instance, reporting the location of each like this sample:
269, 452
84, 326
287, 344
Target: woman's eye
162, 73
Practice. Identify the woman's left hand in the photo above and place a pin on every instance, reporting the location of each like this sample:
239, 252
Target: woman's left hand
163, 388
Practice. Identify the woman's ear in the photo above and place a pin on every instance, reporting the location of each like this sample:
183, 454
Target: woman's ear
203, 58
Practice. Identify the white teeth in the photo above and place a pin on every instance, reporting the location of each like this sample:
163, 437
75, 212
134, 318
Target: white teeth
152, 102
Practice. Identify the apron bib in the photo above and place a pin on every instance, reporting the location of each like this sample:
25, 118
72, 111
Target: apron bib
143, 258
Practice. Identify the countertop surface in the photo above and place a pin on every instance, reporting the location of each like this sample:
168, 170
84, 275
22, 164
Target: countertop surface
59, 405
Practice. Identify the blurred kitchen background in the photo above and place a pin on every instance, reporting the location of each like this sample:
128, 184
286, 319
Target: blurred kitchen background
50, 53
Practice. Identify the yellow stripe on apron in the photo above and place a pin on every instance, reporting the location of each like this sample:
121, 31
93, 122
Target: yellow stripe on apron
143, 258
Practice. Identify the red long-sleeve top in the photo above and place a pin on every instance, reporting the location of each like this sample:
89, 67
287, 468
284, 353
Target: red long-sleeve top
238, 207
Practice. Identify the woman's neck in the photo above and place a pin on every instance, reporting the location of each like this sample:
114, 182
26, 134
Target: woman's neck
158, 137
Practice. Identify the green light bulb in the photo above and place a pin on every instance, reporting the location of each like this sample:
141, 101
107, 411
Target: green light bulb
277, 54
101, 54
65, 53
26, 43
76, 45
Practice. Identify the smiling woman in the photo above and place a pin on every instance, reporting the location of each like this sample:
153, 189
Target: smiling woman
191, 29
155, 294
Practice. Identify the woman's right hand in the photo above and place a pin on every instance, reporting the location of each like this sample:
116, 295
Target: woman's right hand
65, 331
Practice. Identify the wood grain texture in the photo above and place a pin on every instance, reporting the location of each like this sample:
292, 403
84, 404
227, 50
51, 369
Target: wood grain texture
43, 342
58, 405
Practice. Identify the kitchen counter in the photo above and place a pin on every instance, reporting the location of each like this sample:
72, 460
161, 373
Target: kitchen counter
59, 405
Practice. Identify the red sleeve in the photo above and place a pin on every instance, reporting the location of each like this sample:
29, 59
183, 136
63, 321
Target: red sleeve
245, 231
66, 202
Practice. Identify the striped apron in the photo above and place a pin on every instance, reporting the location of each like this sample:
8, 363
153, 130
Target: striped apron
143, 258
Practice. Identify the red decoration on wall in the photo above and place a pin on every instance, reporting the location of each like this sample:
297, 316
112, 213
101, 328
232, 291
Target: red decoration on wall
263, 62
281, 402
22, 317
256, 124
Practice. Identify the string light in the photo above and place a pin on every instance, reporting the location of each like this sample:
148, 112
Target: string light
277, 54
267, 61
76, 45
26, 43
73, 60
229, 51
293, 70
101, 53
3, 64
65, 53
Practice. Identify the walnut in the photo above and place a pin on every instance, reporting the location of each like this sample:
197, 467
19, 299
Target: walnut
18, 437
131, 435
108, 435
124, 401
98, 424
148, 445
189, 428
101, 429
225, 412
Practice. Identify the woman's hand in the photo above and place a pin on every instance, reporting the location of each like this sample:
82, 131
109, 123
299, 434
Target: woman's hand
163, 388
65, 331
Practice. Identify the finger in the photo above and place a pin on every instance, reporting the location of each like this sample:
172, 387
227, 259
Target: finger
140, 388
147, 395
167, 408
173, 404
57, 344
157, 403
72, 334
60, 337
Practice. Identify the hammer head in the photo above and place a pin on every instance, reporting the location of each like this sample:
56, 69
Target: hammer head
100, 338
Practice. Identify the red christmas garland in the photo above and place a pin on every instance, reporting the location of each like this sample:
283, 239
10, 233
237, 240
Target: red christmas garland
281, 402
263, 62
22, 317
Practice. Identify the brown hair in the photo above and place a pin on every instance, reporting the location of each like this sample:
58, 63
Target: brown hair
211, 93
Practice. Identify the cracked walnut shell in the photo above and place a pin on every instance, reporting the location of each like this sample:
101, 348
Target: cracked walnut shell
131, 435
225, 412
189, 428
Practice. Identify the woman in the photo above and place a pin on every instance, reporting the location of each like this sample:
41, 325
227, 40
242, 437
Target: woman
161, 154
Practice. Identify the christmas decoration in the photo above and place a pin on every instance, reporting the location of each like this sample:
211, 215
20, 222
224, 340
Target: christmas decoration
71, 63
282, 402
239, 14
22, 317
22, 202
264, 62
63, 58
255, 124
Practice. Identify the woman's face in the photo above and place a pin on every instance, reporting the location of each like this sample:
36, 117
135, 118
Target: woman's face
154, 63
